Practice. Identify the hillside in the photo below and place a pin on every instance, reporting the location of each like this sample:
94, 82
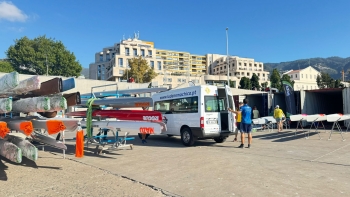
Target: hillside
332, 65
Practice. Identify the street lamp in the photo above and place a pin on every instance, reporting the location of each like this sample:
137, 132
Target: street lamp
228, 59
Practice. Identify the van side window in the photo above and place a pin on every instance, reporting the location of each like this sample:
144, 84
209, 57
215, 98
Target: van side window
213, 104
182, 105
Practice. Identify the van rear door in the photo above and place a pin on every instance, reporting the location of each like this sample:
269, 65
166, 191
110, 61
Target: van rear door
230, 104
211, 115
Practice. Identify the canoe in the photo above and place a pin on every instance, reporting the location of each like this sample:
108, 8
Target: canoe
127, 91
316, 117
48, 140
298, 117
136, 115
10, 151
130, 126
126, 102
28, 149
35, 104
337, 117
24, 126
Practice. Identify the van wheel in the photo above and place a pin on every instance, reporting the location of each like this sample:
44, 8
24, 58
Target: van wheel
220, 139
140, 135
187, 138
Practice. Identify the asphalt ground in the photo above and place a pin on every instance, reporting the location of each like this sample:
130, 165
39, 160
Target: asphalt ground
277, 164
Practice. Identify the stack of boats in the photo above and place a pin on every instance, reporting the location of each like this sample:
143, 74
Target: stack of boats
38, 102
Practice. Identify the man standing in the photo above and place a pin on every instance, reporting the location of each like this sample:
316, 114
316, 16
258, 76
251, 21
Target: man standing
246, 124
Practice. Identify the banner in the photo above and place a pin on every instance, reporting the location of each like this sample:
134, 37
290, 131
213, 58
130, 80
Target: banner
289, 95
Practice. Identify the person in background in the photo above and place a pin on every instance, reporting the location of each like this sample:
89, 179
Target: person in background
246, 124
255, 113
238, 119
278, 115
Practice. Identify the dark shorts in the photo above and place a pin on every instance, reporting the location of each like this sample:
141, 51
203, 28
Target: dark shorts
246, 128
239, 126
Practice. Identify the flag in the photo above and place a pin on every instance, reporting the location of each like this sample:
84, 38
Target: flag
289, 96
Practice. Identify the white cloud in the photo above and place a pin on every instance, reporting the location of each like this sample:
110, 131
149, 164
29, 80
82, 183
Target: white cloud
8, 11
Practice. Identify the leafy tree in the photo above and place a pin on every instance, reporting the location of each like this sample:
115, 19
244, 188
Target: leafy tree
245, 83
319, 81
6, 67
286, 78
325, 81
232, 84
255, 82
140, 70
264, 86
275, 80
31, 56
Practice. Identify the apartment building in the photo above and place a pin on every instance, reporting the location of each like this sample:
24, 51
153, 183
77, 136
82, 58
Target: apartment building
304, 79
173, 67
238, 67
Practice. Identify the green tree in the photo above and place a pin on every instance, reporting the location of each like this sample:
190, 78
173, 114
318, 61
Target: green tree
6, 67
319, 82
255, 82
31, 57
286, 78
232, 84
326, 81
140, 70
275, 80
245, 83
264, 86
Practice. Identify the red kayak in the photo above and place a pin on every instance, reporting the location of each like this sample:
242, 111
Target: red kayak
138, 115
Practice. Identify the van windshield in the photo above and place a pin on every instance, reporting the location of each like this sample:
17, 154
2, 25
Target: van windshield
211, 104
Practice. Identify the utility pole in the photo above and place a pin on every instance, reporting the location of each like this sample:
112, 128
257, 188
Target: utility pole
228, 59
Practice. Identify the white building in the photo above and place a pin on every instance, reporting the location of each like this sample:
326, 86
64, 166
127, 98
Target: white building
304, 79
173, 67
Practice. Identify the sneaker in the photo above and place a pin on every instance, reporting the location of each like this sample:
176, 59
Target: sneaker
248, 146
241, 146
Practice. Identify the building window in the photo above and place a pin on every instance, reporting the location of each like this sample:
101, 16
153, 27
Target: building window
127, 51
296, 76
250, 65
170, 80
315, 76
183, 80
260, 65
149, 52
306, 77
224, 67
135, 52
291, 76
159, 65
240, 63
254, 65
120, 60
220, 68
302, 75
152, 64
245, 64
179, 80
101, 58
263, 75
121, 72
142, 52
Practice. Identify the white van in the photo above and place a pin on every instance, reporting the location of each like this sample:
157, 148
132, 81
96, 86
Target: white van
198, 112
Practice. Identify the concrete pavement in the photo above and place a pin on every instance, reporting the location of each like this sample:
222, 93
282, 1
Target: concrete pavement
278, 164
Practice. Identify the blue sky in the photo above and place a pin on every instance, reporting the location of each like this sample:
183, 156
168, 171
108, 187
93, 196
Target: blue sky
266, 30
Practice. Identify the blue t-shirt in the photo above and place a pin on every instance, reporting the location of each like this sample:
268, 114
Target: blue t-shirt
246, 114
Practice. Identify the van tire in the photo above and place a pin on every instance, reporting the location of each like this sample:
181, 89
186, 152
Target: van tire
220, 139
187, 137
140, 135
